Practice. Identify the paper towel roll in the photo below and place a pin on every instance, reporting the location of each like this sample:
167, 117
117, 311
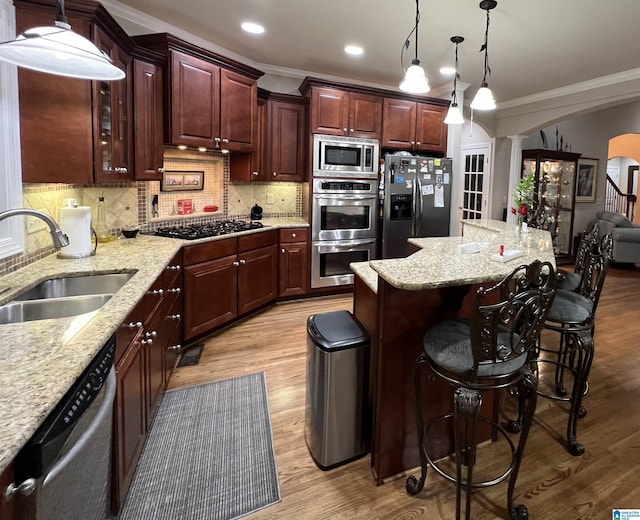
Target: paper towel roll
76, 224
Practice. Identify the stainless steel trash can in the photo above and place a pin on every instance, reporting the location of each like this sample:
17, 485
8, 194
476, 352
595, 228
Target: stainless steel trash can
336, 415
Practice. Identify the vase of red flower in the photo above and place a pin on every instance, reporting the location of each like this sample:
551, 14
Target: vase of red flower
523, 198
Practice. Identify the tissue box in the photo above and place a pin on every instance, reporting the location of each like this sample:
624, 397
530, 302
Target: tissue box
185, 207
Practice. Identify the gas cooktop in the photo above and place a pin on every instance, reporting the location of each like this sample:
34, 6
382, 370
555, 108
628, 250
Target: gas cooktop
211, 229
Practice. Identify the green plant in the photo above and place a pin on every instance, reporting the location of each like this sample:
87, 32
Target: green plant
523, 195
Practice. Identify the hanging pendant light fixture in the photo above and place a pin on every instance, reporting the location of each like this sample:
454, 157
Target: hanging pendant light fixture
58, 50
454, 115
484, 97
415, 80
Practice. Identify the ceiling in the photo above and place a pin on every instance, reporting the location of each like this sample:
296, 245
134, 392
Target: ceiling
534, 45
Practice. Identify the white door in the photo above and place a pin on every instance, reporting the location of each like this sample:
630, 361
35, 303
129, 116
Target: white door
475, 185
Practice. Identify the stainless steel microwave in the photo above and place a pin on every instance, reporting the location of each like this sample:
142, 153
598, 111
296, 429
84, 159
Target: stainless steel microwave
335, 156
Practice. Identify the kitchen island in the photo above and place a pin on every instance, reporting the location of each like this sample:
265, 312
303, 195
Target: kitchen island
398, 300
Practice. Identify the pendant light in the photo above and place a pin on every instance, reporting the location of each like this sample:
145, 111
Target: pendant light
415, 80
454, 115
58, 50
484, 97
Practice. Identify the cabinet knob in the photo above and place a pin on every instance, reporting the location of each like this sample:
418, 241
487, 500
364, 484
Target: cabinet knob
133, 325
255, 173
275, 174
344, 130
350, 130
418, 143
235, 263
157, 292
293, 235
25, 488
151, 334
147, 341
177, 347
174, 316
413, 142
243, 261
173, 267
282, 251
225, 140
160, 170
217, 139
175, 290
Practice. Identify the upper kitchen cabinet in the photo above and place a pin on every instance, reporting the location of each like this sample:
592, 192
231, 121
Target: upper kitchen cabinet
211, 100
148, 116
411, 125
74, 130
340, 112
282, 143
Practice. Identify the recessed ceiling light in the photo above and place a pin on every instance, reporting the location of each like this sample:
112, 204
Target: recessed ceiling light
448, 71
253, 28
354, 50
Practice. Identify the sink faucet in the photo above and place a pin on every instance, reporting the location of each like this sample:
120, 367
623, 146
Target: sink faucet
58, 237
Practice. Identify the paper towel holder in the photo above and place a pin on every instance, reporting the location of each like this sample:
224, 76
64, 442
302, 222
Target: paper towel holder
65, 256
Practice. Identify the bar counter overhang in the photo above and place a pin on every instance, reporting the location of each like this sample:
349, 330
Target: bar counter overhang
398, 300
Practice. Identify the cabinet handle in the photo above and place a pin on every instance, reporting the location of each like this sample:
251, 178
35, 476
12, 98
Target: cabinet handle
160, 170
344, 130
177, 347
243, 261
418, 143
173, 267
133, 325
152, 334
255, 173
235, 263
413, 142
157, 292
25, 488
174, 316
217, 140
351, 130
225, 140
175, 290
147, 341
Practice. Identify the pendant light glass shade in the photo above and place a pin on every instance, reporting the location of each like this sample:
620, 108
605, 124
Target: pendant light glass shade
58, 50
484, 99
415, 80
454, 115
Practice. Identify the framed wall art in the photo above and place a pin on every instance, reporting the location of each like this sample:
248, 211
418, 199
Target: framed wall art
586, 180
182, 181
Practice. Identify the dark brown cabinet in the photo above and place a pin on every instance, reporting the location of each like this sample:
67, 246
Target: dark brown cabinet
410, 125
211, 100
293, 262
8, 505
227, 278
281, 150
144, 360
86, 124
339, 112
113, 117
148, 120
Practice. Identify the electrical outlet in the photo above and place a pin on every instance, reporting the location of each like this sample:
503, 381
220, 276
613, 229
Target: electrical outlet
270, 198
34, 224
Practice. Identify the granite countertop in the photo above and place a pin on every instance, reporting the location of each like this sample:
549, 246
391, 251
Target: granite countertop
40, 360
439, 262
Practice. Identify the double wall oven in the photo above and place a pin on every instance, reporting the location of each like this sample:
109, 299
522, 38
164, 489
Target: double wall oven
344, 221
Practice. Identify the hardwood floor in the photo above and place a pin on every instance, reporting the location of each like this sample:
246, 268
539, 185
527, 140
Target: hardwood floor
552, 483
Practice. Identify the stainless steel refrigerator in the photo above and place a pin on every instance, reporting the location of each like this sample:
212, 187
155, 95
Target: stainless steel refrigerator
417, 197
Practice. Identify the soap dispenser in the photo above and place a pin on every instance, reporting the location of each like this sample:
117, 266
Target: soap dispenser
102, 231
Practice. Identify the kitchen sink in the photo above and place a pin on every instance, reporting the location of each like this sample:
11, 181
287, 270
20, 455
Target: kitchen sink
20, 311
76, 286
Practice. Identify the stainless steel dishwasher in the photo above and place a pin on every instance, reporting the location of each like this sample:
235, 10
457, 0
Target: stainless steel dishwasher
68, 459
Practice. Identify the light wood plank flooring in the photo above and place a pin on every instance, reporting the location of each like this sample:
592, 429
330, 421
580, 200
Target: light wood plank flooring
553, 484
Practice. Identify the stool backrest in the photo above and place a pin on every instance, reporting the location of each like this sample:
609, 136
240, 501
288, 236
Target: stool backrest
595, 271
510, 328
589, 239
541, 219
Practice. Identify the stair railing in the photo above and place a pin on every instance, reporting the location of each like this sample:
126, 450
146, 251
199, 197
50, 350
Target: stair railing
618, 202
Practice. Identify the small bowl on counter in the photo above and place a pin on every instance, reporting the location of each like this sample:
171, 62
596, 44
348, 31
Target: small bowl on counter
130, 232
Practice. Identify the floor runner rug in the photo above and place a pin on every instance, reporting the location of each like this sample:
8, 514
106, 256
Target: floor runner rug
209, 455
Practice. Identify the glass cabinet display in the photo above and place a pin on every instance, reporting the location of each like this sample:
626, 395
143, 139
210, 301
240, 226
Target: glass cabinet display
554, 194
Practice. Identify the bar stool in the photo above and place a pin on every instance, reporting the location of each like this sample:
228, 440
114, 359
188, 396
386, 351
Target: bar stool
573, 315
589, 240
489, 351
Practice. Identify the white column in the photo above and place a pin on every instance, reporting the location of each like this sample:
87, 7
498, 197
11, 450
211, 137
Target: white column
12, 229
515, 171
454, 141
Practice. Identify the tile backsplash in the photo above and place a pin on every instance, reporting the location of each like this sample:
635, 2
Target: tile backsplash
129, 203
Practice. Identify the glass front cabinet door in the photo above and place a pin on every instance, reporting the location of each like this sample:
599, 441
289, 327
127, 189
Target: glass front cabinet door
555, 176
